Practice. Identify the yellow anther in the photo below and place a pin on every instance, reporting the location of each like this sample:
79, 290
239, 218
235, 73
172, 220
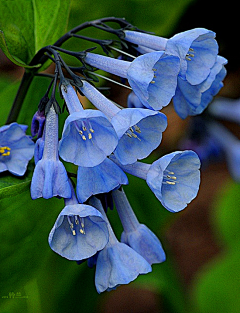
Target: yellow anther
172, 177
170, 182
84, 138
5, 151
82, 231
89, 136
152, 82
129, 135
73, 232
154, 69
137, 129
80, 132
91, 130
84, 128
134, 135
191, 49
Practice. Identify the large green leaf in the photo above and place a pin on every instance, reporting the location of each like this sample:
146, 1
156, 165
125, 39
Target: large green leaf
27, 26
218, 284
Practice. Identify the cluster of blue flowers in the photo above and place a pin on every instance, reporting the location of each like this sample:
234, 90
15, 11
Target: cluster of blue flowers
107, 142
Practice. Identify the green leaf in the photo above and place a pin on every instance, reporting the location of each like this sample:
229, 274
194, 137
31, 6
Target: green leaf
226, 217
27, 26
218, 284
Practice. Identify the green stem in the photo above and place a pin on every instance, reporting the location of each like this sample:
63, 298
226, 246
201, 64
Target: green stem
41, 58
18, 101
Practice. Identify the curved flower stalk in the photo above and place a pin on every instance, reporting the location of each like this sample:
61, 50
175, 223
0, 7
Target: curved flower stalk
101, 178
50, 177
79, 232
88, 137
139, 130
174, 178
229, 144
138, 236
202, 70
117, 263
152, 76
16, 149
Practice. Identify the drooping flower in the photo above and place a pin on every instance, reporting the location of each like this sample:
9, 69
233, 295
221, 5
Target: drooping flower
174, 178
88, 137
197, 49
117, 263
79, 232
139, 130
50, 177
193, 99
16, 149
138, 236
201, 72
101, 178
152, 76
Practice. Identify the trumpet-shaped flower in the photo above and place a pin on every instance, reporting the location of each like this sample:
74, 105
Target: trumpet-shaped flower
16, 149
79, 232
50, 177
193, 99
152, 76
117, 263
197, 49
88, 137
174, 178
138, 236
139, 130
101, 178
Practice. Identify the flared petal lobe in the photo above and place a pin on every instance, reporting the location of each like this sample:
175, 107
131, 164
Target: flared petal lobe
118, 264
101, 178
145, 242
79, 232
88, 138
175, 179
139, 132
16, 149
153, 78
50, 180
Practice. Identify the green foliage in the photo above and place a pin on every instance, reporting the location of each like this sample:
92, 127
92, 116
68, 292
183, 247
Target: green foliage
217, 286
27, 26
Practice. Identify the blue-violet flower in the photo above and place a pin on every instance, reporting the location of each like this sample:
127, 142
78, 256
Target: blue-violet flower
138, 236
174, 178
79, 232
16, 149
101, 178
139, 130
50, 177
88, 137
152, 76
117, 263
